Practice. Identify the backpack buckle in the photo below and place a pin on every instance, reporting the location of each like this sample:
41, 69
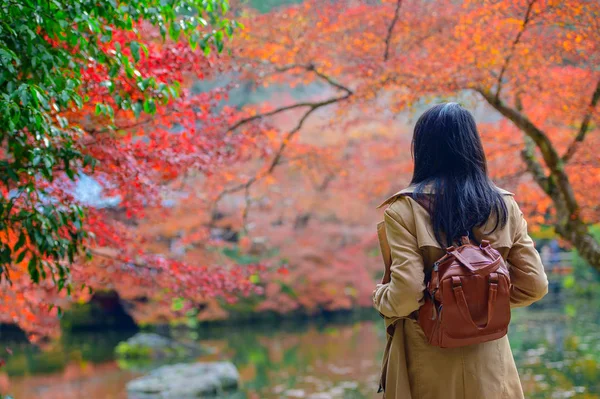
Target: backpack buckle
464, 240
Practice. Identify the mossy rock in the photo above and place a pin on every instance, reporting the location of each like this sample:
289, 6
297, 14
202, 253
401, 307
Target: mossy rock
146, 349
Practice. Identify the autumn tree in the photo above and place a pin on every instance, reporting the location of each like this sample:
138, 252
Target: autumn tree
534, 62
280, 150
85, 90
345, 80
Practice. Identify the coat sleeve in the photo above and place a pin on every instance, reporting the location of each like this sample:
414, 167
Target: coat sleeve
527, 275
404, 293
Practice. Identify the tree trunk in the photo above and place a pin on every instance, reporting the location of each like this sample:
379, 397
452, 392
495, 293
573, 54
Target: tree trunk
556, 184
577, 233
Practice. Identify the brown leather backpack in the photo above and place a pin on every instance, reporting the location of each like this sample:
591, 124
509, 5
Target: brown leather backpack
467, 298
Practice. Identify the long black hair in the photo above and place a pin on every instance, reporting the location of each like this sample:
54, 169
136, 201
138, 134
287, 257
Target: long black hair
450, 161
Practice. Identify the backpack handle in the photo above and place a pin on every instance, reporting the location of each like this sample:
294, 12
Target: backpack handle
459, 295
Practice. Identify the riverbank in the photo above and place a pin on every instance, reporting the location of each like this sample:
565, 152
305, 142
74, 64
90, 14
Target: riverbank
555, 343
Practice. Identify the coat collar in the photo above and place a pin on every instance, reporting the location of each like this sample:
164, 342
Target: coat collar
426, 190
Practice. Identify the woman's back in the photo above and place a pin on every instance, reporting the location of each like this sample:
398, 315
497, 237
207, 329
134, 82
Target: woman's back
413, 368
511, 240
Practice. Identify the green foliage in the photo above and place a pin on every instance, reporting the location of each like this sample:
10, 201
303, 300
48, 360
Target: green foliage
133, 351
585, 279
265, 6
566, 360
544, 233
134, 357
150, 352
79, 348
44, 46
239, 257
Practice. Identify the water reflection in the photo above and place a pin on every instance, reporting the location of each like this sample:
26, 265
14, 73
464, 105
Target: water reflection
558, 350
556, 346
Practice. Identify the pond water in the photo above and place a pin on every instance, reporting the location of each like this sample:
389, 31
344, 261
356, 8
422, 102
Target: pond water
556, 345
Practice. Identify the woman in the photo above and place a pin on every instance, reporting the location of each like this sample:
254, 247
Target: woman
450, 194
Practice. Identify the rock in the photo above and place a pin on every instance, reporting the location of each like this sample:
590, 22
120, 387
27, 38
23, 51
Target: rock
183, 381
145, 348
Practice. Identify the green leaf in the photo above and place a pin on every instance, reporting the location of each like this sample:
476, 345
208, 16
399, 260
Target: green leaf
114, 69
177, 304
21, 256
149, 106
32, 268
137, 108
36, 160
106, 37
62, 122
20, 242
174, 31
219, 41
135, 50
129, 70
569, 282
109, 85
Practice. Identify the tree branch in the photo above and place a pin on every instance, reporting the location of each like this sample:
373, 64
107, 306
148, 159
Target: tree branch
585, 125
247, 203
312, 68
309, 67
312, 107
388, 38
529, 158
109, 254
267, 114
551, 158
279, 153
577, 232
569, 224
513, 47
329, 80
533, 166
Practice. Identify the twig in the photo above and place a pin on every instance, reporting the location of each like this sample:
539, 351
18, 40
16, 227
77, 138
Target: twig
328, 79
309, 67
390, 31
312, 107
246, 209
513, 47
279, 153
558, 177
117, 258
267, 114
585, 125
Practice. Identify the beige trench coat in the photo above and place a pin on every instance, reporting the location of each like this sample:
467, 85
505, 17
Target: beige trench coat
412, 369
